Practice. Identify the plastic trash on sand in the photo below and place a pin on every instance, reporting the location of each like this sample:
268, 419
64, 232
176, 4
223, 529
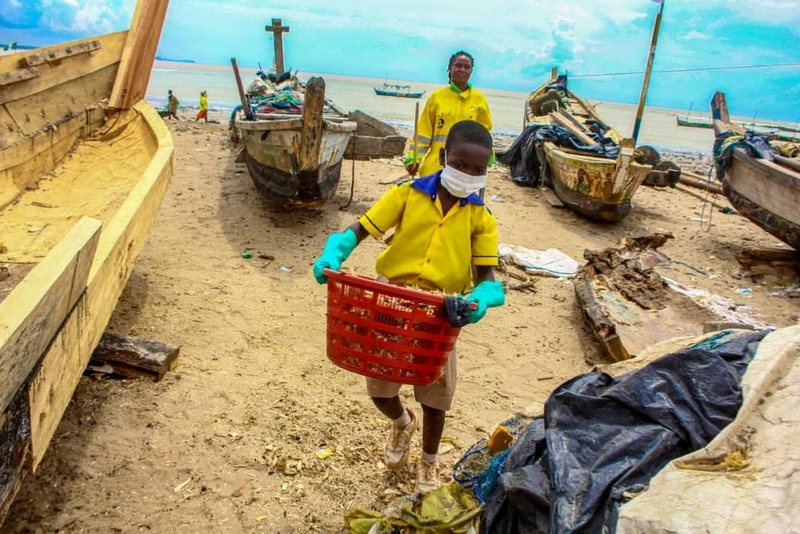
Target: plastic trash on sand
550, 262
604, 436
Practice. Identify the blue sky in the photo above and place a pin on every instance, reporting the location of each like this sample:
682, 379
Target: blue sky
515, 42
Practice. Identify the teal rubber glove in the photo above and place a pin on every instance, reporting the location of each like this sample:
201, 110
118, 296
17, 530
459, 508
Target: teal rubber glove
487, 294
337, 249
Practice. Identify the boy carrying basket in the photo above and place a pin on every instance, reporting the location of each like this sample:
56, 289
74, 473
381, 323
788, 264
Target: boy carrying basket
443, 229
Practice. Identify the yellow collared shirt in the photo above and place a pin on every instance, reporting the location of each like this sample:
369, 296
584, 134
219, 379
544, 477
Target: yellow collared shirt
431, 250
445, 107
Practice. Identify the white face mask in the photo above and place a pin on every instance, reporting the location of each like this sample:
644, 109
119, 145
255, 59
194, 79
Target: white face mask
459, 183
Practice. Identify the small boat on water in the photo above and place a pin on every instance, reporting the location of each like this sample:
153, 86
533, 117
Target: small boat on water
294, 141
764, 187
693, 122
84, 165
402, 91
771, 131
569, 147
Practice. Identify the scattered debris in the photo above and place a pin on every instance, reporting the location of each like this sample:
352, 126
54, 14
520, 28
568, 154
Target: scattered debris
133, 357
182, 485
551, 262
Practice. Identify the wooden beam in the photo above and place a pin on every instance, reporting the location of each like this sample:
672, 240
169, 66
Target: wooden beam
311, 135
134, 358
277, 31
58, 54
580, 133
32, 314
248, 112
139, 53
18, 75
120, 243
700, 184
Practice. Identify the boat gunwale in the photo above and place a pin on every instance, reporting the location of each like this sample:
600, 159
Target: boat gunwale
282, 123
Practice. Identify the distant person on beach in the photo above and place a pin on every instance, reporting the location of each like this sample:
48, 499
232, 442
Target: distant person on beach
442, 228
446, 106
172, 105
203, 113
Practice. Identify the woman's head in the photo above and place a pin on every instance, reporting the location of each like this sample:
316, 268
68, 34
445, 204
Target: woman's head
460, 68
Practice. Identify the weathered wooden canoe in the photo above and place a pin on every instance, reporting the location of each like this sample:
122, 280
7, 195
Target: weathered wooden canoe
296, 161
630, 307
591, 184
79, 189
766, 192
374, 138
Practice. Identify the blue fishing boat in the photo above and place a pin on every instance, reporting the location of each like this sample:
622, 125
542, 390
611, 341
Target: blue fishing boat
403, 91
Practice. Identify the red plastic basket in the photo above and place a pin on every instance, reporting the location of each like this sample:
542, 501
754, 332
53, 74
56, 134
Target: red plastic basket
386, 331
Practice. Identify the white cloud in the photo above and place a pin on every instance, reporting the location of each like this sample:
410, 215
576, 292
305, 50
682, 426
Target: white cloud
81, 16
694, 34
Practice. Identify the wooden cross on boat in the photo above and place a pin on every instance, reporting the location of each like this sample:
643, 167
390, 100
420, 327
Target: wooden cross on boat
278, 31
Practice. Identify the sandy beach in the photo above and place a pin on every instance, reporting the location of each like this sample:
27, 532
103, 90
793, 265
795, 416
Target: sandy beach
226, 442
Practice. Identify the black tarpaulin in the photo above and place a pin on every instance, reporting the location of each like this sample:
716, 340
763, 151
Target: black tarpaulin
603, 438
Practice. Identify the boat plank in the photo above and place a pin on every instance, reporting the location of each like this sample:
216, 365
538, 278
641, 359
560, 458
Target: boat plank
39, 110
775, 191
26, 161
138, 54
57, 54
51, 75
570, 125
33, 312
311, 135
120, 244
18, 75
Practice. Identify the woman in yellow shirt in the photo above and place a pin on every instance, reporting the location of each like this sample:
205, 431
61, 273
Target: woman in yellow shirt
203, 113
446, 106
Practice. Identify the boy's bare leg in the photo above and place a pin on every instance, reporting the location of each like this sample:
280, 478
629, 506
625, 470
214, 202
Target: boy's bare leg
391, 407
432, 429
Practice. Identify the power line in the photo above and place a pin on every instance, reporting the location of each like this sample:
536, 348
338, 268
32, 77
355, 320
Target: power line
740, 67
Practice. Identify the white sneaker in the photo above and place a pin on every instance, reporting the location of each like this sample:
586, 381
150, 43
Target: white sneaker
427, 476
399, 445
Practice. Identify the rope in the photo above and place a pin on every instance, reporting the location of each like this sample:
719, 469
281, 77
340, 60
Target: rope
708, 203
352, 172
698, 69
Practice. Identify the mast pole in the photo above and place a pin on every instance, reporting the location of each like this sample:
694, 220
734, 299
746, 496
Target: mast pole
646, 82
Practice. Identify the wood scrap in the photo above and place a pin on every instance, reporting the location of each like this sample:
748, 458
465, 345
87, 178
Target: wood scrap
579, 132
702, 197
551, 198
134, 358
702, 184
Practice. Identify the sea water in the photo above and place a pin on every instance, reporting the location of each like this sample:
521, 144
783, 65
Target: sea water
659, 126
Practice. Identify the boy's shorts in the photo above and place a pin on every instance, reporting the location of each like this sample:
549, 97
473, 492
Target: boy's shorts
438, 395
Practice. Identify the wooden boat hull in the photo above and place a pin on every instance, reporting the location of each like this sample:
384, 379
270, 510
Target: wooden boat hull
764, 191
597, 188
69, 239
768, 196
382, 92
693, 123
272, 148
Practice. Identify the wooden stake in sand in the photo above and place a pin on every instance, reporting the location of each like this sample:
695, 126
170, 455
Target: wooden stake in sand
248, 113
416, 128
